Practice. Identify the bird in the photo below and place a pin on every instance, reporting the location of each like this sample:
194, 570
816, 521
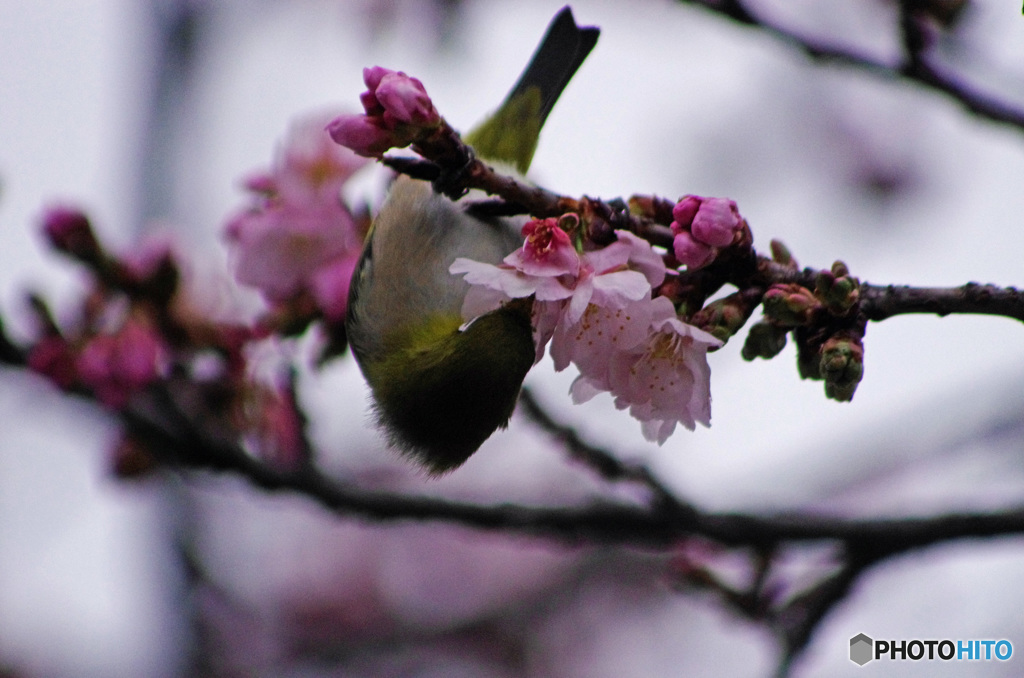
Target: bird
440, 387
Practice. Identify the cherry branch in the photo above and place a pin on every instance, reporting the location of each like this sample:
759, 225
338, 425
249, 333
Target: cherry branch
917, 65
182, 442
455, 170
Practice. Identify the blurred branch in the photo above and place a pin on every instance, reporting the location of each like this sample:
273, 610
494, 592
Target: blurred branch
169, 420
606, 464
916, 66
664, 523
181, 442
9, 353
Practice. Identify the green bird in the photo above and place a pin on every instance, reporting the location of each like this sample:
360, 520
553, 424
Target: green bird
441, 389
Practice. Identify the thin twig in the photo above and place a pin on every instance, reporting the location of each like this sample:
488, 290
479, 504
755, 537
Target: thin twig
606, 464
182, 442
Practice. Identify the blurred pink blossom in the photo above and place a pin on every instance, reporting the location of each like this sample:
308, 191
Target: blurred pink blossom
115, 366
272, 424
69, 230
300, 237
53, 358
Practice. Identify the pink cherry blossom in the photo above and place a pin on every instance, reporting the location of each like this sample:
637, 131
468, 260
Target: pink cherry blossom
663, 379
561, 281
600, 332
548, 251
310, 162
609, 276
299, 237
543, 267
596, 310
279, 248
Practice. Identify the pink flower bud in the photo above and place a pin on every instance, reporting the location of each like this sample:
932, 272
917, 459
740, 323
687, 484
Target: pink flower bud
716, 222
372, 77
685, 210
691, 252
69, 231
405, 99
117, 365
363, 134
52, 358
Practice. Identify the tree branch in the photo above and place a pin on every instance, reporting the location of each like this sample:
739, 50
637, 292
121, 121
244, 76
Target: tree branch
881, 302
917, 67
183, 443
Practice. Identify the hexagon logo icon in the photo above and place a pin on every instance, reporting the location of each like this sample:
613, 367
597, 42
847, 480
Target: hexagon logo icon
861, 649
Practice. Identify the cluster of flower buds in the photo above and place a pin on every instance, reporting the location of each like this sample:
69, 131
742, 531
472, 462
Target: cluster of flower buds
702, 227
790, 305
838, 290
842, 365
397, 112
118, 350
828, 333
137, 330
112, 366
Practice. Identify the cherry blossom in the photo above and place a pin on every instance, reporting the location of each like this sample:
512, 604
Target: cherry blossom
663, 378
299, 237
117, 365
561, 281
597, 311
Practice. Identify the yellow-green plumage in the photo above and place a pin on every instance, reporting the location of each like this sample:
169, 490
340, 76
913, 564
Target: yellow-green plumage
492, 141
441, 389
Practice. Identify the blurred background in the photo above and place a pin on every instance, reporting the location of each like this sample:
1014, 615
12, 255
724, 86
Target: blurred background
149, 114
